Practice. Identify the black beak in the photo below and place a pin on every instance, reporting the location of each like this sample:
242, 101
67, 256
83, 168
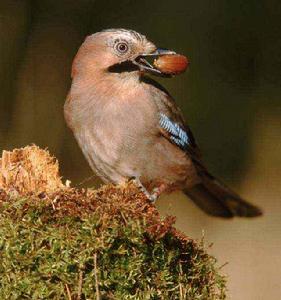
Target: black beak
145, 66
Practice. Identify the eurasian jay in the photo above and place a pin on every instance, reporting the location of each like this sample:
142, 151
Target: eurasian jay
129, 127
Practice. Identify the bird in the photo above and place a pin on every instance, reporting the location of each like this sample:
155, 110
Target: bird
130, 128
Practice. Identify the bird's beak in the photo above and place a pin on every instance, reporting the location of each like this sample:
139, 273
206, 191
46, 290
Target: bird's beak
145, 66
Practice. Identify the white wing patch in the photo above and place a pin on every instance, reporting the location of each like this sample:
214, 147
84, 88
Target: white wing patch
178, 135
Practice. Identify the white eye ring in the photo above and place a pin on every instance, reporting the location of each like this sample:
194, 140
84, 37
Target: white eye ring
121, 47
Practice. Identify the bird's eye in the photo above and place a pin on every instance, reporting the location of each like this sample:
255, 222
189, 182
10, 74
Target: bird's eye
122, 47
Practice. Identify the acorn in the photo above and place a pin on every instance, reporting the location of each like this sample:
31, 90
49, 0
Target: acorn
171, 64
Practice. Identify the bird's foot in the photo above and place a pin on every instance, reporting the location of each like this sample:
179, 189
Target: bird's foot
151, 197
157, 191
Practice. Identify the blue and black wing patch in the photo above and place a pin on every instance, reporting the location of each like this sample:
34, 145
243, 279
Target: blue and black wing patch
179, 134
176, 133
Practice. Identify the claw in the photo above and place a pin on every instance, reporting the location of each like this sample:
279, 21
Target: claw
151, 197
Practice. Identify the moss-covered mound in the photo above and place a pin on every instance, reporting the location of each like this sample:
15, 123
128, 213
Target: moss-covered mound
105, 244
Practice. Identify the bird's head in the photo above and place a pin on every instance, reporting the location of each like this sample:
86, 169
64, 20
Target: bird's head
117, 51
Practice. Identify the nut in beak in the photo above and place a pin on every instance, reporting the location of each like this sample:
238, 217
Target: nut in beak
166, 63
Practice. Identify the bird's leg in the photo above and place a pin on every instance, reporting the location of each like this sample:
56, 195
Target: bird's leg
157, 191
151, 197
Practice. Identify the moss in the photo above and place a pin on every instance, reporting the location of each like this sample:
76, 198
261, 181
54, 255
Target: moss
105, 244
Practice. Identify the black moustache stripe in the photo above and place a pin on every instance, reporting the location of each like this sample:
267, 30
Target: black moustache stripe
125, 66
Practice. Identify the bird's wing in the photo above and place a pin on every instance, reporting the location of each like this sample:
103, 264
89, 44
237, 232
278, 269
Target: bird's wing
178, 133
171, 123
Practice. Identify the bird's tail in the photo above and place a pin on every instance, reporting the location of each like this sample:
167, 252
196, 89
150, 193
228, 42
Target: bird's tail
216, 199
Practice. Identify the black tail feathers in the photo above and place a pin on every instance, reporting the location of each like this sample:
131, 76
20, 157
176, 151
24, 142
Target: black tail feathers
217, 200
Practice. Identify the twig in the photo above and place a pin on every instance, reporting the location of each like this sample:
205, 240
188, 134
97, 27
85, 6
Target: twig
123, 217
96, 277
181, 287
87, 179
53, 202
79, 293
68, 292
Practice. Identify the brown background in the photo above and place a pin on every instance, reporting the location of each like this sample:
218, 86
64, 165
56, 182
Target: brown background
230, 96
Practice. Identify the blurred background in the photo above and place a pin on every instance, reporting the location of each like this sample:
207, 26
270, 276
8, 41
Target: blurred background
231, 97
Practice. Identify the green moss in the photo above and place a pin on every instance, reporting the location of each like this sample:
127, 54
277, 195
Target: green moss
78, 245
